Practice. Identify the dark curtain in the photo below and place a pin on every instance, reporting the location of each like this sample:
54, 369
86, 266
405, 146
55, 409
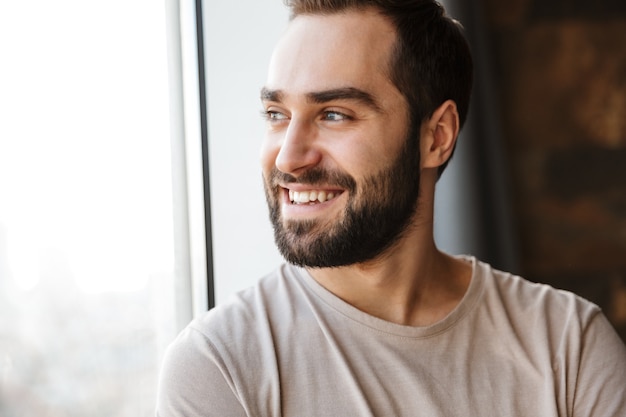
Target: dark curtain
473, 206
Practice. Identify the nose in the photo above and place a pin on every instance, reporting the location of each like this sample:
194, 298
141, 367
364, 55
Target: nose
298, 151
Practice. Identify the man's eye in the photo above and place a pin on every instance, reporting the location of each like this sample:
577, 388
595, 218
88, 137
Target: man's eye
273, 116
334, 116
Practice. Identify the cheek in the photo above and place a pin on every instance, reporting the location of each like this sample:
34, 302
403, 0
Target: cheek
368, 155
390, 143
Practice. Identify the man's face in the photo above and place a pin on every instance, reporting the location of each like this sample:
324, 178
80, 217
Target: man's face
340, 159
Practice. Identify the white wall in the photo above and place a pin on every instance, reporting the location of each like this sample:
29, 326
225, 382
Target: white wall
239, 39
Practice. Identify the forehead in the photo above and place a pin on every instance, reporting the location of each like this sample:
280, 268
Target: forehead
319, 52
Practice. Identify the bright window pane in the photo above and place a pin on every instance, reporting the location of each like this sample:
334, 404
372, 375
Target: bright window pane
86, 230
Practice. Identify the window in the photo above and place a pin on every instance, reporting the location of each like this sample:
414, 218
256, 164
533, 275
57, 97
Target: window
95, 262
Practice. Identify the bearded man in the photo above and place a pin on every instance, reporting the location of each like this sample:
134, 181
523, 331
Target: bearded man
364, 103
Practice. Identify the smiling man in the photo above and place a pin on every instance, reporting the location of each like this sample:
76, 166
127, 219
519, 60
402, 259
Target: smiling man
364, 102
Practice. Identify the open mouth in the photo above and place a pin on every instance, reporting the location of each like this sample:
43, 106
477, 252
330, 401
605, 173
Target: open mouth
312, 196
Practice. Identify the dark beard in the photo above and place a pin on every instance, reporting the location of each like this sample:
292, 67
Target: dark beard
375, 218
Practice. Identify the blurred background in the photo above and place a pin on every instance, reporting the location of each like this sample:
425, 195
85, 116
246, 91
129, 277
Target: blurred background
559, 69
130, 191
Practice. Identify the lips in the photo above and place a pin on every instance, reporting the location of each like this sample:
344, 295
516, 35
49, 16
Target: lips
312, 187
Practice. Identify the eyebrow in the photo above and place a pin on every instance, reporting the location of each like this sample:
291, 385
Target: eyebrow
271, 95
321, 97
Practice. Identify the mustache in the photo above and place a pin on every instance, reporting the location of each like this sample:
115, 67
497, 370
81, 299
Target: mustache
314, 176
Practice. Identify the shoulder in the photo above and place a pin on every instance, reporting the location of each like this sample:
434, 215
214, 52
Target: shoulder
550, 322
251, 309
251, 323
555, 334
586, 355
217, 357
555, 322
527, 299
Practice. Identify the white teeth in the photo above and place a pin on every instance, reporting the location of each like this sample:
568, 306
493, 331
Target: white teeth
303, 197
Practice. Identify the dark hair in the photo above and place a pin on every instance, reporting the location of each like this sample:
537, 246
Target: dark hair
431, 62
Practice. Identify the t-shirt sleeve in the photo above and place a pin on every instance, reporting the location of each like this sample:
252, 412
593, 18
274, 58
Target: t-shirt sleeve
193, 382
601, 378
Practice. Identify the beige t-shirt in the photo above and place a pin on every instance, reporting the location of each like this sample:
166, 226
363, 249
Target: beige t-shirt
288, 347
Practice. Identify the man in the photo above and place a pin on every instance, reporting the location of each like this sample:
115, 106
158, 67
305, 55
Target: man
364, 102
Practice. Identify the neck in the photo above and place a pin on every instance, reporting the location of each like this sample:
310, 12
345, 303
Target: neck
411, 292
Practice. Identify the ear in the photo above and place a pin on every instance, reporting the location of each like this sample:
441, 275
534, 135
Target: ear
439, 134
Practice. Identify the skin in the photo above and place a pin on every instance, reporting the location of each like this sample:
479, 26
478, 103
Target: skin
315, 120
